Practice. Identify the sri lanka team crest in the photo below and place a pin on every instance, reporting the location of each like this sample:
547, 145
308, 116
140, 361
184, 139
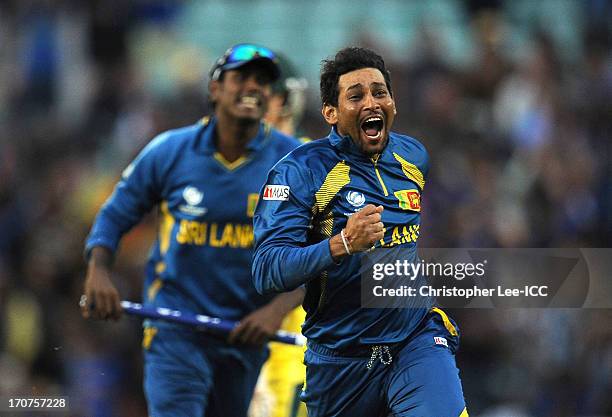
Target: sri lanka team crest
409, 199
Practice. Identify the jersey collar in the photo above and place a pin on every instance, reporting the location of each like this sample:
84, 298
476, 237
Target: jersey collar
207, 143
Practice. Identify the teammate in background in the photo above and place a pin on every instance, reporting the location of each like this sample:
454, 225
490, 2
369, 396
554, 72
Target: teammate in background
360, 361
288, 100
282, 376
205, 181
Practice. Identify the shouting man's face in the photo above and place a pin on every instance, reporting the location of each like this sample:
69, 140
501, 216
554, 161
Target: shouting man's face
365, 109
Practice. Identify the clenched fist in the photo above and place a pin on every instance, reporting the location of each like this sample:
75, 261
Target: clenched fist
363, 229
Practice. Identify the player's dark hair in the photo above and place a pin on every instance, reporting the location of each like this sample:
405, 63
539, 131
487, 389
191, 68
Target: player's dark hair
347, 60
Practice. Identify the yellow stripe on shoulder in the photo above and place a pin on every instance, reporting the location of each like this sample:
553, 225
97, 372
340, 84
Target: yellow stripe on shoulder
412, 171
464, 413
447, 323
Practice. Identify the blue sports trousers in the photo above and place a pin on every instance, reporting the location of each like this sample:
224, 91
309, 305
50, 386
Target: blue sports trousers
415, 378
193, 374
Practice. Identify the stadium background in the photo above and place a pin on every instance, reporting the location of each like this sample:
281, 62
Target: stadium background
513, 99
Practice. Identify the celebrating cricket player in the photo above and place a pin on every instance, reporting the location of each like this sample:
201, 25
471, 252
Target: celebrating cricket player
323, 207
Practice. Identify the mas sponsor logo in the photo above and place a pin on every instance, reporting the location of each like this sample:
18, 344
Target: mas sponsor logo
355, 198
276, 192
193, 197
409, 199
441, 341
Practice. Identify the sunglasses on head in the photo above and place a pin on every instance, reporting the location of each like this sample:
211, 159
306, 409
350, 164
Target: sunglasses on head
241, 53
246, 52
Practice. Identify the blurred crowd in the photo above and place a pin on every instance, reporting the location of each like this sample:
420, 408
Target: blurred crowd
521, 152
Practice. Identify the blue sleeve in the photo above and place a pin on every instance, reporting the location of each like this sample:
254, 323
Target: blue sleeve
283, 260
138, 190
421, 157
425, 164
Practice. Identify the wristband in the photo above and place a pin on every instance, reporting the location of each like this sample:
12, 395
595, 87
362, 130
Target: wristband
345, 243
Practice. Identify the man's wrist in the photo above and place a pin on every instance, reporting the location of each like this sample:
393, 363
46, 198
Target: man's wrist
101, 257
336, 248
347, 245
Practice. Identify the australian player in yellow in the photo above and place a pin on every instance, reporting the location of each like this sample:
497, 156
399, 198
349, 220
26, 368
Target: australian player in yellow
282, 377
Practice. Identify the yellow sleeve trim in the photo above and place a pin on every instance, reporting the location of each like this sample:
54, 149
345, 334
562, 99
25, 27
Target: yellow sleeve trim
464, 413
154, 288
160, 267
412, 171
447, 323
166, 224
149, 334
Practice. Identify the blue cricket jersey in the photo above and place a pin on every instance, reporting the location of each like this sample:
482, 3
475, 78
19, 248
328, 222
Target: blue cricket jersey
201, 259
307, 199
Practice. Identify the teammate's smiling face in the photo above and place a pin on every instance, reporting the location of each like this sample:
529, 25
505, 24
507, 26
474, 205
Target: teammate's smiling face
365, 109
243, 93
